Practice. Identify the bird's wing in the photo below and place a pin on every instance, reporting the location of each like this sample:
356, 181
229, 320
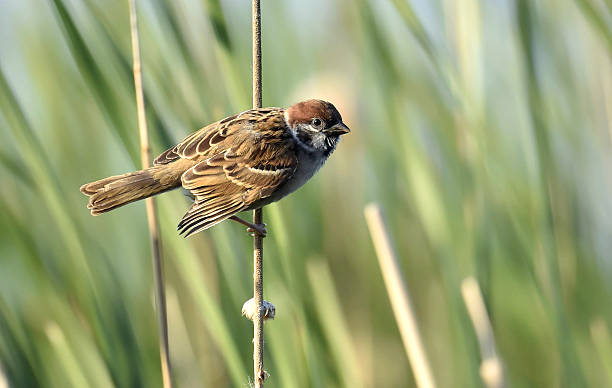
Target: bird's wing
200, 142
238, 165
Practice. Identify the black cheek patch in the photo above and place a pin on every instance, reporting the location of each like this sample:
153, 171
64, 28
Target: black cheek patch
304, 137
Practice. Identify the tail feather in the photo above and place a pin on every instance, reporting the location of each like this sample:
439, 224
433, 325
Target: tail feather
112, 192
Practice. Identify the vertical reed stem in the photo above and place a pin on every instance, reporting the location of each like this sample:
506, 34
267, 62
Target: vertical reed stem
258, 338
399, 296
145, 155
491, 368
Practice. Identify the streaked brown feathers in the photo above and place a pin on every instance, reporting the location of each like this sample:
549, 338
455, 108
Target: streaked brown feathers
236, 168
227, 166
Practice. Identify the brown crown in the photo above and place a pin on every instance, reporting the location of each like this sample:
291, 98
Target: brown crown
305, 111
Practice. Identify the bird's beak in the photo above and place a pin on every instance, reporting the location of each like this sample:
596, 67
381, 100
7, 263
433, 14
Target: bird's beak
338, 129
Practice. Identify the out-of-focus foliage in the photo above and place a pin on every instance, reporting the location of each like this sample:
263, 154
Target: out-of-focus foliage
482, 127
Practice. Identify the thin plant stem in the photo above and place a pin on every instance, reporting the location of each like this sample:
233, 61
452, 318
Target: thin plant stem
258, 322
399, 297
257, 99
145, 154
491, 368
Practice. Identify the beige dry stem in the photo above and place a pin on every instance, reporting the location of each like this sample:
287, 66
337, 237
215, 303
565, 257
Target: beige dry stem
145, 155
491, 368
399, 296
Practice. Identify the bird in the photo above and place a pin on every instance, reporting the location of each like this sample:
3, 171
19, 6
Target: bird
242, 162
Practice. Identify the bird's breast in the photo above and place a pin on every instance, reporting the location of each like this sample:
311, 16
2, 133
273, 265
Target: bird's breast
308, 164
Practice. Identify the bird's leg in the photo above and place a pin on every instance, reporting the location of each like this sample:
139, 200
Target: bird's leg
252, 228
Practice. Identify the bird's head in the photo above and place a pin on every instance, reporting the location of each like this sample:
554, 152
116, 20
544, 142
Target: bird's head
316, 124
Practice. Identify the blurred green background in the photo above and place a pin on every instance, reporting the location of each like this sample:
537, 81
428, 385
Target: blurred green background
482, 127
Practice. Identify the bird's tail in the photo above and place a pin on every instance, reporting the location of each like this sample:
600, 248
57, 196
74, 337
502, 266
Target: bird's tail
112, 192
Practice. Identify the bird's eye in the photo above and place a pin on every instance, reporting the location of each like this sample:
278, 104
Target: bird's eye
316, 122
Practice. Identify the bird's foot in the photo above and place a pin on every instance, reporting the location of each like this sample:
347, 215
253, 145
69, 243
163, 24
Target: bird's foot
259, 229
253, 229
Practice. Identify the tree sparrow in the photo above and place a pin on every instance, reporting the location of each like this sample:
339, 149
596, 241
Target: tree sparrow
242, 162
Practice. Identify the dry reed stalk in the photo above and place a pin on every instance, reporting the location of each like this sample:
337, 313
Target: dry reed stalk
258, 319
491, 369
399, 296
145, 155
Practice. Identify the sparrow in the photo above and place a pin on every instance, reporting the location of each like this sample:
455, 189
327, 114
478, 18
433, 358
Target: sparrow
242, 162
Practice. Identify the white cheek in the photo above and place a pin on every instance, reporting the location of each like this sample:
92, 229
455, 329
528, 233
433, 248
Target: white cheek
318, 140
